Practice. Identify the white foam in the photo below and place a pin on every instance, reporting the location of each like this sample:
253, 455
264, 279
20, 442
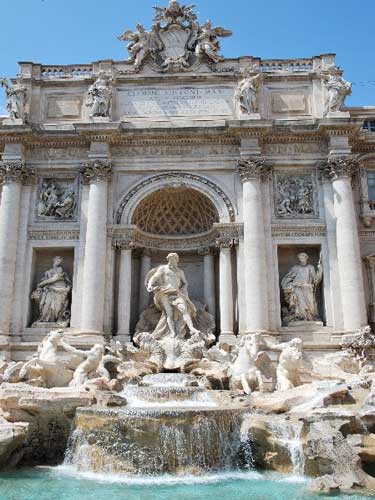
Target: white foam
106, 477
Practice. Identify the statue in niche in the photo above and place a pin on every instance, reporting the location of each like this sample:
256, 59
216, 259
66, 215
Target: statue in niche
169, 285
174, 322
56, 202
295, 196
299, 286
337, 90
52, 296
207, 42
16, 97
247, 92
99, 96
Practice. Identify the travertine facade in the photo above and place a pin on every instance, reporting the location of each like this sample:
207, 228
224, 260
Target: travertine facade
239, 165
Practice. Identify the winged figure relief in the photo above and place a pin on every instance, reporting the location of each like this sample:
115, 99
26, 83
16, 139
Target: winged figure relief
208, 43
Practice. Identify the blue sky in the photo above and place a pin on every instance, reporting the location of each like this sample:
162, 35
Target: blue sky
79, 31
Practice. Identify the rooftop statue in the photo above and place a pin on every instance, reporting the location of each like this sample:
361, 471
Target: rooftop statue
16, 97
176, 41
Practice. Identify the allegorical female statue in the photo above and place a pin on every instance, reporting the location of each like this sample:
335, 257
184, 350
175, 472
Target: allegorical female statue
299, 286
53, 295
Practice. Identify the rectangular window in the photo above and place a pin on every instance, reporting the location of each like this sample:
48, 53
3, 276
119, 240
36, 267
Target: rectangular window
369, 125
371, 185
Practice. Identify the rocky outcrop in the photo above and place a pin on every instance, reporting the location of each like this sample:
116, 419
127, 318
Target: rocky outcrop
36, 423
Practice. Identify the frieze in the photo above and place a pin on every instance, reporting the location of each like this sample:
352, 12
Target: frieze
294, 148
367, 234
195, 150
298, 231
53, 234
37, 154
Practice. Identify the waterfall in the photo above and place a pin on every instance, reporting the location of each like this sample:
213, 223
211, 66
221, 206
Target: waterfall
289, 435
151, 441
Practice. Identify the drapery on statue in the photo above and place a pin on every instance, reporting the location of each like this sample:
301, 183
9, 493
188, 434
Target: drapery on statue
52, 295
247, 92
169, 285
337, 90
16, 97
299, 286
99, 96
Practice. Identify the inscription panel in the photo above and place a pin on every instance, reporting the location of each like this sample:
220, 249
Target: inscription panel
175, 102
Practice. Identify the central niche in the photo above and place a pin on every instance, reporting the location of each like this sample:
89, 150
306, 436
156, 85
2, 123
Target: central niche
175, 211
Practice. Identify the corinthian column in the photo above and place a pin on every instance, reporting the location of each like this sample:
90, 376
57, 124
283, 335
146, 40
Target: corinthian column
144, 295
96, 173
226, 287
12, 175
209, 279
252, 171
339, 170
124, 289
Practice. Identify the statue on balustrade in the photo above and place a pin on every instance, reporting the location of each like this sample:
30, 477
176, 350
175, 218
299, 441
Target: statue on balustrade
300, 286
208, 43
16, 97
337, 90
99, 96
53, 296
247, 93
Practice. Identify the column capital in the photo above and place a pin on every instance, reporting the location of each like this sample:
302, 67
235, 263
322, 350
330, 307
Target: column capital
206, 251
124, 244
339, 166
226, 242
15, 171
253, 168
96, 170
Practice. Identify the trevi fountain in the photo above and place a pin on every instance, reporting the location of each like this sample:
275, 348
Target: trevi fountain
187, 269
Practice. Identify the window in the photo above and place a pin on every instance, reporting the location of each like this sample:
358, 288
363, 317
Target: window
371, 185
369, 125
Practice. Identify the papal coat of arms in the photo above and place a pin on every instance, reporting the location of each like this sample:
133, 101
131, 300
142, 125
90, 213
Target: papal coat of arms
176, 41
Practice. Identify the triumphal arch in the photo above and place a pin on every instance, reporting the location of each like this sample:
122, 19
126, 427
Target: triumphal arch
254, 171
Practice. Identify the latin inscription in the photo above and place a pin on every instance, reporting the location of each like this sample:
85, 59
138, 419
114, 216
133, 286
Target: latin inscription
176, 101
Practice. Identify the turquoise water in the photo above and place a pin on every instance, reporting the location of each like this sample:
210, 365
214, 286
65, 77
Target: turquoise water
62, 484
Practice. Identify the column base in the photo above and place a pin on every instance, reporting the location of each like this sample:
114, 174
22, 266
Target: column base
85, 337
227, 338
124, 338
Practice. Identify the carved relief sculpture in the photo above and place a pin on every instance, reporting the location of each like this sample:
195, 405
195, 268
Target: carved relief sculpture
16, 97
337, 89
299, 286
53, 296
247, 92
99, 96
56, 200
294, 196
176, 40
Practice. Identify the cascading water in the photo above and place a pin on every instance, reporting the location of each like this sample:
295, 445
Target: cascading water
156, 441
289, 435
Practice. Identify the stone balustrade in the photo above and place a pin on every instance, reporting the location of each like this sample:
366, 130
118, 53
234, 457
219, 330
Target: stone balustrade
71, 71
